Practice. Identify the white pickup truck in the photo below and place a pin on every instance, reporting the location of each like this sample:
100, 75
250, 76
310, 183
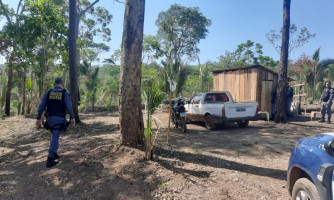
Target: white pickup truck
219, 107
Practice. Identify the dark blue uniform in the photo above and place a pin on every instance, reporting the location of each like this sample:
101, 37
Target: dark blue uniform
326, 97
57, 101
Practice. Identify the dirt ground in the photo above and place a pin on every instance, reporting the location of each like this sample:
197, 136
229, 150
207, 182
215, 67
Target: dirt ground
227, 163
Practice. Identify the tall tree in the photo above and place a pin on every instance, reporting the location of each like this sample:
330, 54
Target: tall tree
283, 68
10, 22
131, 117
78, 9
73, 62
180, 29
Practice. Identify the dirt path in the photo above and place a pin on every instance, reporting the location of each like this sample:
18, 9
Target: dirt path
228, 163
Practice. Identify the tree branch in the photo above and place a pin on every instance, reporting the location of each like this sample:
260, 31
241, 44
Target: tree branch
5, 12
18, 7
119, 1
23, 9
90, 6
78, 10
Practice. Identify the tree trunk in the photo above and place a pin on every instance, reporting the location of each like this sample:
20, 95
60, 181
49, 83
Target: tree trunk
9, 86
24, 93
282, 76
3, 97
73, 63
131, 118
314, 82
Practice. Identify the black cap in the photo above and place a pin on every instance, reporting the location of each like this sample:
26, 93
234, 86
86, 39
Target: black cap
59, 81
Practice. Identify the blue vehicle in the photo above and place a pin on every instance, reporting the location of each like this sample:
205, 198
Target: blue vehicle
311, 168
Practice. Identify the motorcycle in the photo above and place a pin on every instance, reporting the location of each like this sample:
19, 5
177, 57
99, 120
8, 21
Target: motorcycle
179, 115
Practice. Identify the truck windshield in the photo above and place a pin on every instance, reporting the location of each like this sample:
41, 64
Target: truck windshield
216, 98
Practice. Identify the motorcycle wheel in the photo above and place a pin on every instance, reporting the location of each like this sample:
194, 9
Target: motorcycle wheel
183, 125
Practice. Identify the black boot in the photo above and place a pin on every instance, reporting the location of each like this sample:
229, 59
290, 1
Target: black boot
56, 156
322, 119
51, 162
328, 120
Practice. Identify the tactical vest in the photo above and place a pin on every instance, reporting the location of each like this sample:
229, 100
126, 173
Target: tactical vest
55, 103
325, 94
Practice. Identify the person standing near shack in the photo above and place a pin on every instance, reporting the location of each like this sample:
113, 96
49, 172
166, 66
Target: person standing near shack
326, 102
56, 101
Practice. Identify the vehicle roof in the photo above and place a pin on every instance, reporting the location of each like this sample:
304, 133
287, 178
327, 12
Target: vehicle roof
214, 92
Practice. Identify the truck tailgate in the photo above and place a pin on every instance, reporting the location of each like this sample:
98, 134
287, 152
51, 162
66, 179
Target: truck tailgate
239, 110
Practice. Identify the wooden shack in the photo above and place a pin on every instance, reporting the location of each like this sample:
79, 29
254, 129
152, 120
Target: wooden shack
252, 83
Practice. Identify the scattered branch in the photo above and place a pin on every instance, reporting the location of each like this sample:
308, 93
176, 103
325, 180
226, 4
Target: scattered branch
5, 12
118, 1
89, 7
18, 7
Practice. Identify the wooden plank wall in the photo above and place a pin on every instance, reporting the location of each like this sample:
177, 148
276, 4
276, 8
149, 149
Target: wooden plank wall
248, 85
267, 88
242, 84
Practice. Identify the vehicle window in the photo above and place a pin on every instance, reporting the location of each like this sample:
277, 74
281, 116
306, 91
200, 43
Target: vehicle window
216, 98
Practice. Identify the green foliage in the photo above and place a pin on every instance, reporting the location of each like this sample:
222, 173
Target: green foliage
152, 97
94, 23
181, 80
151, 48
109, 84
309, 101
179, 31
246, 54
148, 129
314, 72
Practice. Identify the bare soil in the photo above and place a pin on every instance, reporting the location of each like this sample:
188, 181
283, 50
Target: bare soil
227, 163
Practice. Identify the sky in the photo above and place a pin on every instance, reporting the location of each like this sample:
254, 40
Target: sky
234, 22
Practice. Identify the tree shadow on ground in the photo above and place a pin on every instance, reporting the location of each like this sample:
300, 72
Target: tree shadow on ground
73, 179
258, 139
217, 163
93, 129
93, 115
85, 170
299, 118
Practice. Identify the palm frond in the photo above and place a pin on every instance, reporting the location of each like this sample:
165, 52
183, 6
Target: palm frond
316, 55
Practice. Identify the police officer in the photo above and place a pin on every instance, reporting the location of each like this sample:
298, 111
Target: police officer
56, 102
326, 102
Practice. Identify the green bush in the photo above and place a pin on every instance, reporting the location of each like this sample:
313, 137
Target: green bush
309, 101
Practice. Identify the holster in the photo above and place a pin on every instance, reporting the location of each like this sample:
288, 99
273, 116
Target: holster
46, 125
63, 128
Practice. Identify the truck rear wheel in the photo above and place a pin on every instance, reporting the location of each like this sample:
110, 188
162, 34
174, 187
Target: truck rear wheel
210, 122
243, 124
305, 189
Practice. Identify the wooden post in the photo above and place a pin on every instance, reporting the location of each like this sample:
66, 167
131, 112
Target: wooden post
169, 112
